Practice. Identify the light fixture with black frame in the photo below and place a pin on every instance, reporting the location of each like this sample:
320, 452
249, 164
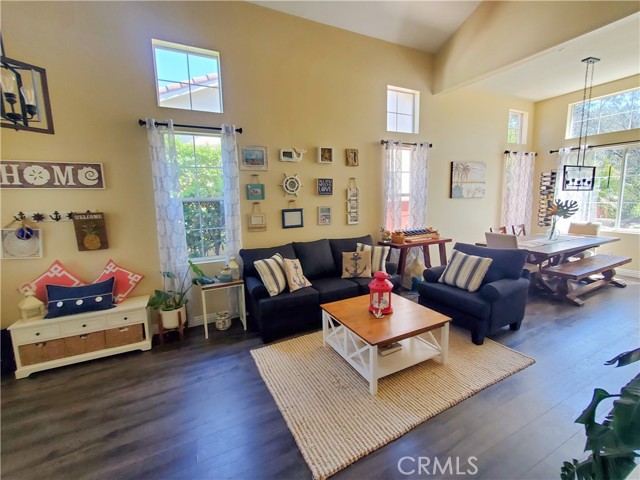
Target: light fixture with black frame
24, 98
580, 177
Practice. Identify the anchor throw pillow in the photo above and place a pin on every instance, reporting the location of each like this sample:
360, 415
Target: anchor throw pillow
356, 264
295, 275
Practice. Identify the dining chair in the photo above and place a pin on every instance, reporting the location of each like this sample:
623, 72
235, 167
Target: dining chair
584, 228
519, 230
502, 229
503, 240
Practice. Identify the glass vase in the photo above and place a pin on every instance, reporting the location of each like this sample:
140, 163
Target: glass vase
552, 233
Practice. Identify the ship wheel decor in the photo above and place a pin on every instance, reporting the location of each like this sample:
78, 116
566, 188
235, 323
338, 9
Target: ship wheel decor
291, 184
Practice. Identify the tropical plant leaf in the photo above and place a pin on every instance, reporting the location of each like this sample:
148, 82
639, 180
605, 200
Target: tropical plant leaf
588, 416
625, 358
617, 467
626, 414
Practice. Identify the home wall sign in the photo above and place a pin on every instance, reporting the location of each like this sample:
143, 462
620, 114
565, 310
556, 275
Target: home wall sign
51, 175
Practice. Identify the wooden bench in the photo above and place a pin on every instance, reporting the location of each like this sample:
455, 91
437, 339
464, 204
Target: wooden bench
583, 270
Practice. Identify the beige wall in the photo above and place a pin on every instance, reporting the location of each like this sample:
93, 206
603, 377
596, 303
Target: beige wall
550, 126
500, 34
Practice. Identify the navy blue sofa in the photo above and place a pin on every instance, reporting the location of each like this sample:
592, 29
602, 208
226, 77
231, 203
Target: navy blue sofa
289, 313
500, 301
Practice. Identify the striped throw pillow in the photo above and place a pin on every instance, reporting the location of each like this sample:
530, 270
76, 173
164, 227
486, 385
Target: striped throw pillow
465, 271
378, 256
272, 273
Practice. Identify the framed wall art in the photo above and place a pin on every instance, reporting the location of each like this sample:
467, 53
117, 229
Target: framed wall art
257, 220
292, 218
352, 206
91, 231
324, 215
325, 155
468, 179
254, 158
255, 191
353, 218
352, 157
15, 246
324, 186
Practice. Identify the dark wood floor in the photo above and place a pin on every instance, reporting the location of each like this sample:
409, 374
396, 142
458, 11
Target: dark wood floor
199, 410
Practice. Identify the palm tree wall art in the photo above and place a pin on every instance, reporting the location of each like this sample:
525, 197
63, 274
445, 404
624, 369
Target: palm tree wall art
468, 179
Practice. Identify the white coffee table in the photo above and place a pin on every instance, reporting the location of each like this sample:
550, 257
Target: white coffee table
355, 333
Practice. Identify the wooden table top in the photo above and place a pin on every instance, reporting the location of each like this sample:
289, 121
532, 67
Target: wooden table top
541, 245
407, 320
418, 243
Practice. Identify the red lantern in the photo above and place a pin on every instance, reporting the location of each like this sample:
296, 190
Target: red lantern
380, 294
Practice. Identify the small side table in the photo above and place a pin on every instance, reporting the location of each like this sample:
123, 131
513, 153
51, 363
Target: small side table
424, 245
238, 285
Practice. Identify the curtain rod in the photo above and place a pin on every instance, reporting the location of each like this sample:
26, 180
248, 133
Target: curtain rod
526, 153
383, 142
165, 124
601, 145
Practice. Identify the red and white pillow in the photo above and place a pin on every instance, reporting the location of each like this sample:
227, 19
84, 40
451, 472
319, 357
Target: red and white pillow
126, 280
56, 274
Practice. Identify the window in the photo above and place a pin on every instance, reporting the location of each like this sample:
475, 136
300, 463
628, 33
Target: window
517, 127
405, 187
611, 113
615, 199
187, 77
403, 110
201, 190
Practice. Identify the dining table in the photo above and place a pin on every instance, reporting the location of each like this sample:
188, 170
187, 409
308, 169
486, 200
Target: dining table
552, 256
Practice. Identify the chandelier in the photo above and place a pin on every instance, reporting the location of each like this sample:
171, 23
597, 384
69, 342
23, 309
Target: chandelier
579, 177
24, 97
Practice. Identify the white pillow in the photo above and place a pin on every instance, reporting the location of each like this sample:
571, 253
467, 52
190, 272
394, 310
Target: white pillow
272, 273
465, 271
378, 256
295, 275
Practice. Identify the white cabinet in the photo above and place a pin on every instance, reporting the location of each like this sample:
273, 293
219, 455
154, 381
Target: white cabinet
50, 343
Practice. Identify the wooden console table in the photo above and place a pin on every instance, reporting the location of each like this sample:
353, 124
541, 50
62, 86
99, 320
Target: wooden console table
424, 244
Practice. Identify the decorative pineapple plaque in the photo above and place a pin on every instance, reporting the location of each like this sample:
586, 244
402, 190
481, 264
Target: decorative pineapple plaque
91, 231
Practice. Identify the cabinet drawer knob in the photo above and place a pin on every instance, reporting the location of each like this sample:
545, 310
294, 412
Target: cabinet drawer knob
37, 334
84, 325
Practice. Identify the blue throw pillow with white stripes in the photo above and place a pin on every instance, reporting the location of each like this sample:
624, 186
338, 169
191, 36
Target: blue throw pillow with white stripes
465, 271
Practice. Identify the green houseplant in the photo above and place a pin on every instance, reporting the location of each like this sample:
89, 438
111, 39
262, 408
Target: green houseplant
173, 296
614, 444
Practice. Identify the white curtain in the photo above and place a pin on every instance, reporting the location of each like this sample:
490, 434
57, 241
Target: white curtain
232, 222
392, 185
568, 157
172, 242
418, 168
517, 189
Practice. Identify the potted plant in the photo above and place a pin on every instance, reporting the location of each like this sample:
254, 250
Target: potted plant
171, 301
615, 443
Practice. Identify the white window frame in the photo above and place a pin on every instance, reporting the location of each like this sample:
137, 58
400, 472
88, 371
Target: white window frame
597, 119
393, 109
521, 133
213, 258
187, 51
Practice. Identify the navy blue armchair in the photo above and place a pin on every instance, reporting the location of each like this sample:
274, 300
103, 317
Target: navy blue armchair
500, 301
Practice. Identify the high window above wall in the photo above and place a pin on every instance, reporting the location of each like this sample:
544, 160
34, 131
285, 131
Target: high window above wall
610, 113
187, 77
517, 127
403, 110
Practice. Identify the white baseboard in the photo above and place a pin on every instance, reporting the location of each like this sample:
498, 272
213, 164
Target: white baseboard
623, 272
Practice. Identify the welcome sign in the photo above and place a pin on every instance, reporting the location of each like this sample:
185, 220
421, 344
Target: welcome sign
50, 175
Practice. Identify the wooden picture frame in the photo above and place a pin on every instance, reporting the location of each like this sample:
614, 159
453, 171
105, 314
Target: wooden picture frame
325, 155
254, 158
353, 218
292, 218
324, 216
352, 157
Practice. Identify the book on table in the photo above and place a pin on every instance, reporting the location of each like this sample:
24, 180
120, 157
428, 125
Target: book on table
387, 349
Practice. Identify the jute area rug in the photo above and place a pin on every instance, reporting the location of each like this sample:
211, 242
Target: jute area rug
333, 417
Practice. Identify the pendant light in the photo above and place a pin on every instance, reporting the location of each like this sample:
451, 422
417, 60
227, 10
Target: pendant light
579, 177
